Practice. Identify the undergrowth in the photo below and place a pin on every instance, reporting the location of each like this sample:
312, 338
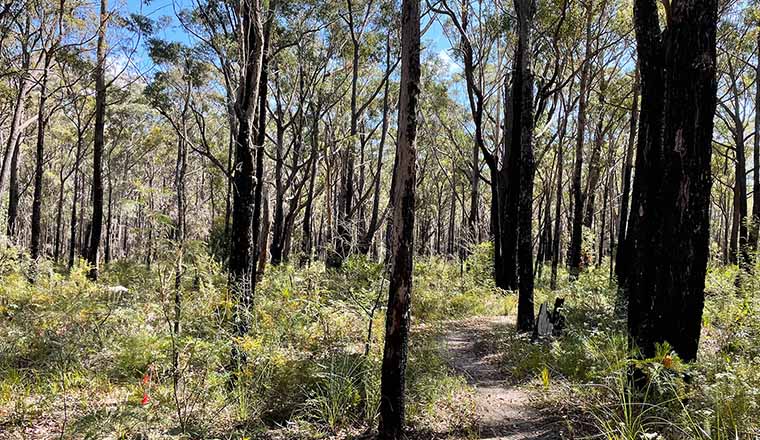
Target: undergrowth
90, 360
94, 360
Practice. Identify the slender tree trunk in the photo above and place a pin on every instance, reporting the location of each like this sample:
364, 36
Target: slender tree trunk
558, 203
755, 224
627, 171
374, 223
392, 384
59, 218
576, 240
451, 239
594, 174
15, 129
13, 195
278, 223
733, 244
109, 219
307, 243
740, 186
39, 160
98, 145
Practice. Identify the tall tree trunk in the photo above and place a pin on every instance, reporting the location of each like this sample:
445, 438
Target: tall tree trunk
451, 239
15, 129
558, 203
507, 203
392, 384
740, 185
733, 243
278, 220
523, 136
374, 223
627, 171
13, 193
39, 159
180, 170
576, 239
668, 237
242, 243
594, 174
109, 218
307, 242
98, 145
59, 217
755, 224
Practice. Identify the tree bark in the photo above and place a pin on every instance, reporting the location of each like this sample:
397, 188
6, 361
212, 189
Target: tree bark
39, 159
627, 171
98, 145
13, 191
523, 136
667, 243
242, 242
392, 385
374, 220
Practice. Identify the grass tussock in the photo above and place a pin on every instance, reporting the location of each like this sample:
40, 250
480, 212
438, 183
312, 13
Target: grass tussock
83, 359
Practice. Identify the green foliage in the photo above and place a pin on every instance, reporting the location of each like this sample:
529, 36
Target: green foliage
67, 339
305, 353
714, 398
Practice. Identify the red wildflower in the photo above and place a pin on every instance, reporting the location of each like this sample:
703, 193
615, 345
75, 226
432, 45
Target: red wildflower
146, 379
145, 399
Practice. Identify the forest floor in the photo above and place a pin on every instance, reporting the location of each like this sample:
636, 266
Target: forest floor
504, 409
79, 361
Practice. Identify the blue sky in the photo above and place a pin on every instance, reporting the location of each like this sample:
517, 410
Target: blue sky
435, 40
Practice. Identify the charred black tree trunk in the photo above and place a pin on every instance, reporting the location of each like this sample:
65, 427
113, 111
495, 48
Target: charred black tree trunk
39, 160
98, 145
244, 219
522, 142
392, 385
13, 192
667, 243
627, 171
507, 203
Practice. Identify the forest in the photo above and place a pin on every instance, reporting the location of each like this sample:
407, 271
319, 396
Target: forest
380, 219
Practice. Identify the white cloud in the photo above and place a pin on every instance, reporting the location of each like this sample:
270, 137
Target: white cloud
451, 66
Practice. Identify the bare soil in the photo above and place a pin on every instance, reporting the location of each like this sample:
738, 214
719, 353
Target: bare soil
504, 409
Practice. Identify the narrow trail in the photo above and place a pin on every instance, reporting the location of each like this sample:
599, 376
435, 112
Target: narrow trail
503, 410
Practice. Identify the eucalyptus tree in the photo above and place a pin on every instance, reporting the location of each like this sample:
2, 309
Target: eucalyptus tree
361, 24
668, 234
98, 144
522, 146
294, 163
393, 377
732, 127
475, 43
53, 32
23, 62
754, 231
